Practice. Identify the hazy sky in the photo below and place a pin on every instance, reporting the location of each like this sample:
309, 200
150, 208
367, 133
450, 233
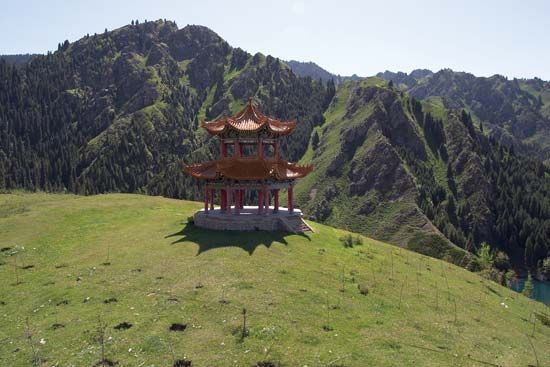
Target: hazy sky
345, 37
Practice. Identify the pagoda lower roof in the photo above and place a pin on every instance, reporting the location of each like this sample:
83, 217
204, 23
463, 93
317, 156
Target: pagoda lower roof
249, 119
247, 169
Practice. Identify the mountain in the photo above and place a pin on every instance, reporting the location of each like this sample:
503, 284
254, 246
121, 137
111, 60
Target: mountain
310, 69
131, 268
403, 79
120, 112
407, 172
314, 71
515, 112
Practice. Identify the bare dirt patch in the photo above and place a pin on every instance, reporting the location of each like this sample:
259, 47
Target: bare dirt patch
182, 363
123, 326
106, 362
178, 327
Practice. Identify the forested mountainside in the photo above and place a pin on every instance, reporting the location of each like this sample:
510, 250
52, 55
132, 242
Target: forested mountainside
120, 112
387, 165
515, 112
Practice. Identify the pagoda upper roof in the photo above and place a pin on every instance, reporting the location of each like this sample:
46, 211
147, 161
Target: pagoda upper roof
247, 169
249, 119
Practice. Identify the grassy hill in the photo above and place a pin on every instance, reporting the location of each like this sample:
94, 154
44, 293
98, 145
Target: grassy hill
66, 260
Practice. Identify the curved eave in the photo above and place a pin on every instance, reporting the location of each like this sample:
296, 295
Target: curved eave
293, 171
201, 170
246, 169
220, 127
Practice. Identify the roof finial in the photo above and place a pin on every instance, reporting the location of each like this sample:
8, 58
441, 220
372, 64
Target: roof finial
250, 100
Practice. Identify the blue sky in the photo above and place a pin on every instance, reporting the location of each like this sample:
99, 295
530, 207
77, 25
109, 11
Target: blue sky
484, 37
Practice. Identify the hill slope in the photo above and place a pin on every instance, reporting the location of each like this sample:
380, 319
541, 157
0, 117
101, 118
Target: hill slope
391, 167
133, 259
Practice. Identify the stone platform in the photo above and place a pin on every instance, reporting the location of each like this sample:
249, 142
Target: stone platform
248, 219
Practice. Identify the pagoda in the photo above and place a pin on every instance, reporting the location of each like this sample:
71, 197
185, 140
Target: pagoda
249, 168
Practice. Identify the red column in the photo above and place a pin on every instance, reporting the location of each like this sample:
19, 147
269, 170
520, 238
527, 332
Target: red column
290, 200
237, 149
237, 200
206, 199
276, 201
212, 199
260, 148
242, 199
276, 149
267, 192
229, 200
222, 198
260, 200
223, 149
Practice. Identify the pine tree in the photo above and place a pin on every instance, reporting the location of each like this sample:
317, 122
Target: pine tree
528, 286
315, 140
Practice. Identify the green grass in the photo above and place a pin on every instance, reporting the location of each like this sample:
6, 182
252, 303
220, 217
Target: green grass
284, 281
207, 103
435, 106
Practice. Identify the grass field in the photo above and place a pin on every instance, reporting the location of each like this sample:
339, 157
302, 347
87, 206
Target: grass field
67, 261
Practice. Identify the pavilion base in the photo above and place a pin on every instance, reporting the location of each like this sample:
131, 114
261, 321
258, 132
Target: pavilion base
248, 219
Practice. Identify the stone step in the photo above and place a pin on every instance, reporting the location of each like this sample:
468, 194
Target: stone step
295, 224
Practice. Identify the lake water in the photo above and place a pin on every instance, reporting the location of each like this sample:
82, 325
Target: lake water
541, 290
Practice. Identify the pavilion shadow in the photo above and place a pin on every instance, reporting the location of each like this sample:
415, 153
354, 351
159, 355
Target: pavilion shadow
208, 239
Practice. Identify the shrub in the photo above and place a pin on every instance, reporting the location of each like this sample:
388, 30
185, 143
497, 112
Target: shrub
510, 276
544, 319
347, 240
472, 263
350, 241
501, 261
485, 256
